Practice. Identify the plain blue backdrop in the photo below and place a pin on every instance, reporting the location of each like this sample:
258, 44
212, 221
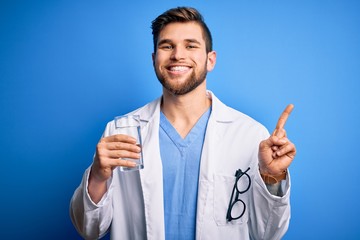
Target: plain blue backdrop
67, 67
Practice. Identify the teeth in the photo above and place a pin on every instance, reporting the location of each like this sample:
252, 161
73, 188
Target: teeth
179, 68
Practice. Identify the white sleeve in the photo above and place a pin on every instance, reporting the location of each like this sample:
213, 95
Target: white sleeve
279, 188
91, 220
271, 214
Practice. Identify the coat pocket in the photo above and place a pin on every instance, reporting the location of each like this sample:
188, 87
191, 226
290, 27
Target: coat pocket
223, 188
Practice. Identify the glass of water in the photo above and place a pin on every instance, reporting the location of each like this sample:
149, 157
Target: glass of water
130, 125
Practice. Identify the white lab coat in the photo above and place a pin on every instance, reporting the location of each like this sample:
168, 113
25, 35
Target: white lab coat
133, 205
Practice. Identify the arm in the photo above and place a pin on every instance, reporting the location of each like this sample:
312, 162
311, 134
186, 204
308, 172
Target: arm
91, 206
110, 152
271, 215
91, 219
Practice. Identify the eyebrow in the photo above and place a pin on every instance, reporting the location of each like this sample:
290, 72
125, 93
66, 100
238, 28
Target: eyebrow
191, 40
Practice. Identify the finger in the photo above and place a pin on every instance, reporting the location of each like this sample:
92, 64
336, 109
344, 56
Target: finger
119, 138
278, 145
286, 150
284, 116
280, 133
275, 148
123, 146
125, 163
113, 163
123, 154
274, 141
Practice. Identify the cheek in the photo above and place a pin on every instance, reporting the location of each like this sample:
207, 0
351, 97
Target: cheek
199, 60
158, 61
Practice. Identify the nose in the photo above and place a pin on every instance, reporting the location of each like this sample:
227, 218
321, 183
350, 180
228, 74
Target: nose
178, 53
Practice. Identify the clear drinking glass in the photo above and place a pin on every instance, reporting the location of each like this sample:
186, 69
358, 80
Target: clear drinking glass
130, 125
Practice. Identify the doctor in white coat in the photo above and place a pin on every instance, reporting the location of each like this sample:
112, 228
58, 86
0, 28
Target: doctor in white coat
235, 149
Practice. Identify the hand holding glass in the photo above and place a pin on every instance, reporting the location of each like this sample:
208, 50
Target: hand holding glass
130, 125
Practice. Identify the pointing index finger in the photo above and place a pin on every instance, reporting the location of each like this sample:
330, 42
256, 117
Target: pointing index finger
284, 116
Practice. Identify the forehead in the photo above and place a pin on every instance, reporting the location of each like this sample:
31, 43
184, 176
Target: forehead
182, 31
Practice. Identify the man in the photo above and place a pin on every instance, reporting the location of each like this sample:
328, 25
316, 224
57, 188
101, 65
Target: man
210, 171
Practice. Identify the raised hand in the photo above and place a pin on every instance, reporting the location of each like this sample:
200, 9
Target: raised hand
277, 152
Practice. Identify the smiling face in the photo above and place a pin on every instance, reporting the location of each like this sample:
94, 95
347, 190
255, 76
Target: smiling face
180, 61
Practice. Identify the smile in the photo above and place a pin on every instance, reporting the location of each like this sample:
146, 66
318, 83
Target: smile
178, 69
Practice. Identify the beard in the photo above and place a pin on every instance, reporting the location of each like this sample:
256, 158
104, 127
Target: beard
192, 82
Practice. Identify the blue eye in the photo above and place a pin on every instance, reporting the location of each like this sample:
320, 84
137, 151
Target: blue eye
166, 47
191, 46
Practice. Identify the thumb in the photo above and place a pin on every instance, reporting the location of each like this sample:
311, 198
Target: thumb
274, 141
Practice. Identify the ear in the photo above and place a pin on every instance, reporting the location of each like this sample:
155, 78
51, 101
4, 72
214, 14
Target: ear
211, 60
153, 58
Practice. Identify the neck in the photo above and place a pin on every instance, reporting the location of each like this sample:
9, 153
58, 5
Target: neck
184, 111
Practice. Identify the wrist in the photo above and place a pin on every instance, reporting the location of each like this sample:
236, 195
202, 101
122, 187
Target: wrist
97, 187
273, 179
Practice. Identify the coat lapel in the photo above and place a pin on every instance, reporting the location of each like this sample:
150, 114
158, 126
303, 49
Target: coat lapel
151, 176
220, 115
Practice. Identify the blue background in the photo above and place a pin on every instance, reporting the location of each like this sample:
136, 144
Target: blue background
68, 67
